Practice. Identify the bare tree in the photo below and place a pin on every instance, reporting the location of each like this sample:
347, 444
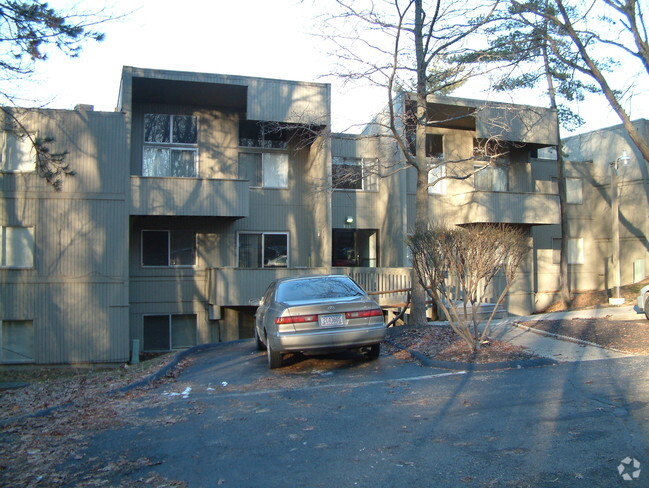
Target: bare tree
457, 265
408, 48
29, 31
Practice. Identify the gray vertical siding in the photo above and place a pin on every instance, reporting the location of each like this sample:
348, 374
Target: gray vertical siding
76, 295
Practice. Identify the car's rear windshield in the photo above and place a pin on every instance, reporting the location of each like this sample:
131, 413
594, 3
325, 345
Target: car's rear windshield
317, 288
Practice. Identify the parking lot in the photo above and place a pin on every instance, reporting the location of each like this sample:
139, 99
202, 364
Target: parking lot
340, 421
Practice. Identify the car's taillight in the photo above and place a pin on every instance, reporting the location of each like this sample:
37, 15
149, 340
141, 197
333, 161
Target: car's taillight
361, 314
296, 319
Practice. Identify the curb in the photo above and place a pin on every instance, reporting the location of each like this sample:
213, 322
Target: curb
521, 363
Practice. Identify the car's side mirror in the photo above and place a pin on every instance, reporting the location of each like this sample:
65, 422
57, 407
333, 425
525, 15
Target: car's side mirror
255, 302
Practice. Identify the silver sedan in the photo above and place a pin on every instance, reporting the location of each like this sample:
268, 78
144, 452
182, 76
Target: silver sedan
317, 314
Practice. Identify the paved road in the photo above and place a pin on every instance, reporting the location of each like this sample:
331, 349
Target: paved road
340, 422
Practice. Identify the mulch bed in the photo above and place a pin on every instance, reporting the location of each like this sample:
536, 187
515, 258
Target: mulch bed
441, 343
625, 335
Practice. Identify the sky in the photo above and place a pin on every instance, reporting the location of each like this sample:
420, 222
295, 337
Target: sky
261, 38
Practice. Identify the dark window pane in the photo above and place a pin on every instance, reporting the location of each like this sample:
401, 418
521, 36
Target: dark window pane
434, 145
347, 175
250, 250
155, 333
185, 130
317, 289
183, 164
250, 168
275, 250
183, 331
344, 248
155, 248
183, 248
156, 127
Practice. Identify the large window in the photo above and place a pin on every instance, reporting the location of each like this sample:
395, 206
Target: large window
262, 250
354, 174
170, 145
434, 144
16, 341
16, 153
16, 247
168, 248
264, 170
490, 178
167, 332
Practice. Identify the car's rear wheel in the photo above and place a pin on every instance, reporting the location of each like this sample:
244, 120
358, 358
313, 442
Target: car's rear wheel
646, 306
274, 357
258, 342
373, 352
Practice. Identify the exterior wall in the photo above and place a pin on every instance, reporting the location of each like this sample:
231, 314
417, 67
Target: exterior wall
77, 293
592, 155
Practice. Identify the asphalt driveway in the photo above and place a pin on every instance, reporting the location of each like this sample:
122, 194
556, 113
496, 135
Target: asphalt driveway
342, 422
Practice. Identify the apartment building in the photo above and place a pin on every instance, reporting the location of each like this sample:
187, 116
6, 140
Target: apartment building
202, 188
593, 159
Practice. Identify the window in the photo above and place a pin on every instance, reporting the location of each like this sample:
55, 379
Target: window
167, 332
17, 153
264, 170
168, 248
16, 341
170, 145
354, 174
16, 247
434, 144
263, 250
253, 133
438, 188
574, 190
576, 251
490, 178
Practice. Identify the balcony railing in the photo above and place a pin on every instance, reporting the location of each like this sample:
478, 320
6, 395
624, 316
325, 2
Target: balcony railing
231, 287
189, 197
504, 207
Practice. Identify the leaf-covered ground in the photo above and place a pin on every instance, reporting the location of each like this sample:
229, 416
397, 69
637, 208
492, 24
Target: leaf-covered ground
440, 343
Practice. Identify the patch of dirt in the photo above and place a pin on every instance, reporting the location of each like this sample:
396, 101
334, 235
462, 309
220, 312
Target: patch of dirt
629, 335
441, 343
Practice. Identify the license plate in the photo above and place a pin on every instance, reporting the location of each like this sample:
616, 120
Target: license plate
333, 320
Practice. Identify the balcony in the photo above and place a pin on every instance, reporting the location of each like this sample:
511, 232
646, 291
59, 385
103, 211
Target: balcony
189, 197
233, 287
504, 208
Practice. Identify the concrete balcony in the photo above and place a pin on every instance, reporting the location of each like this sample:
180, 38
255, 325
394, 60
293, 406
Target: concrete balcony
199, 197
504, 208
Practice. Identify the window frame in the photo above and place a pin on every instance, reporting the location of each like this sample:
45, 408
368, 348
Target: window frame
368, 180
171, 146
263, 246
6, 134
169, 250
3, 247
170, 330
31, 346
264, 155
